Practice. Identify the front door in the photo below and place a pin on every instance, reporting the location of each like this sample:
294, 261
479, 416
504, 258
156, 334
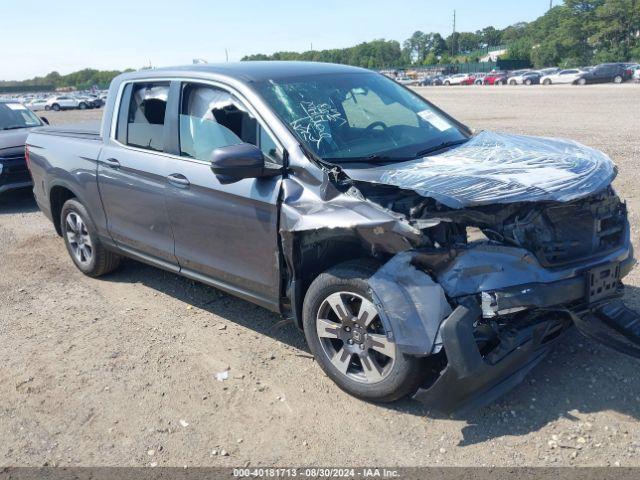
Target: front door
225, 234
132, 175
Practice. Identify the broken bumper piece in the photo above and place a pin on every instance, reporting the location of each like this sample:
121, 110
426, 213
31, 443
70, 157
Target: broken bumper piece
472, 380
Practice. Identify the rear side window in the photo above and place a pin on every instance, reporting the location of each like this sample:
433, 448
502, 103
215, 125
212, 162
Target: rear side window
143, 126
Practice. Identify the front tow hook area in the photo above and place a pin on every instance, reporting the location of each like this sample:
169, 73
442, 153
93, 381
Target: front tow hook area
614, 325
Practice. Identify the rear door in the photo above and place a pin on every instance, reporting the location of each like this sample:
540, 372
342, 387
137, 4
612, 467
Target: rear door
225, 234
132, 172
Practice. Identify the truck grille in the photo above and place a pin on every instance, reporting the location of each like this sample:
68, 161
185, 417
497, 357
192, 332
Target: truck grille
562, 234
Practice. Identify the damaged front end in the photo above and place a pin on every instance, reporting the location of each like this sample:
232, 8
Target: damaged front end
489, 253
498, 287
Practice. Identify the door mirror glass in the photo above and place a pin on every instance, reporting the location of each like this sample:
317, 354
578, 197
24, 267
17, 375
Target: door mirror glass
235, 162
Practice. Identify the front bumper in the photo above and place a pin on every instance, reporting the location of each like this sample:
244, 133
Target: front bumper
471, 380
14, 174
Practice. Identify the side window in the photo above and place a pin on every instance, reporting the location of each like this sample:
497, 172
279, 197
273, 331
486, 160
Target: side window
211, 118
144, 126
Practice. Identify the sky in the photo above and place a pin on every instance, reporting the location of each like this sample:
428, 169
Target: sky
39, 36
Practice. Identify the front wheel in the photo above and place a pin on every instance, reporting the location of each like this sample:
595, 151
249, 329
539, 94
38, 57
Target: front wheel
47, 108
82, 242
447, 84
527, 82
617, 79
55, 107
581, 81
82, 106
348, 338
547, 82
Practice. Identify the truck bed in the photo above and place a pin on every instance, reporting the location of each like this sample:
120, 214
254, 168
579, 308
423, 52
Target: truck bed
87, 130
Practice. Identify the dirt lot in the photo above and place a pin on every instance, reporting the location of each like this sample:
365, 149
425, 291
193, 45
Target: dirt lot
121, 370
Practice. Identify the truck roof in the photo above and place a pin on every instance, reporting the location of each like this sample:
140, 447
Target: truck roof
255, 71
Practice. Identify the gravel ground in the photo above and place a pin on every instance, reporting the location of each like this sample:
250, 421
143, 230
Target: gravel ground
121, 370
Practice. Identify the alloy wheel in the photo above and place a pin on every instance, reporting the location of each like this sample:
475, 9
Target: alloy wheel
353, 338
78, 238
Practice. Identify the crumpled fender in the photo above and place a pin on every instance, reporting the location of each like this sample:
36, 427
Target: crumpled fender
411, 304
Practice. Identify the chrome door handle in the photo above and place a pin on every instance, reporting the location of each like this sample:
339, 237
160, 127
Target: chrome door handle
112, 162
178, 179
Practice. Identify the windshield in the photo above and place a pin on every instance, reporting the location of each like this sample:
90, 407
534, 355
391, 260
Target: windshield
359, 117
16, 115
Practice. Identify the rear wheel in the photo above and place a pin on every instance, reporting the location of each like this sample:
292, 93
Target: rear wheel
82, 106
581, 81
547, 82
82, 242
47, 108
348, 339
617, 79
447, 84
55, 107
513, 82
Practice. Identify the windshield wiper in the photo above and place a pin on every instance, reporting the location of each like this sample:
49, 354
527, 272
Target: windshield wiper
13, 128
442, 146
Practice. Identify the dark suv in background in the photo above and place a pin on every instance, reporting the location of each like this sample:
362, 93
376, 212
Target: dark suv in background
606, 73
15, 122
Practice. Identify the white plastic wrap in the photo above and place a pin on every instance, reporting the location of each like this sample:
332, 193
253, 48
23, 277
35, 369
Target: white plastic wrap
501, 168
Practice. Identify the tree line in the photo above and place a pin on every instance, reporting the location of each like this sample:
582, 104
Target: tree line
83, 79
578, 32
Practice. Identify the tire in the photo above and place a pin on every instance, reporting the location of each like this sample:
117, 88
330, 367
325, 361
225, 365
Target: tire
47, 108
547, 82
82, 106
55, 107
617, 79
581, 82
513, 82
388, 377
527, 82
447, 84
81, 240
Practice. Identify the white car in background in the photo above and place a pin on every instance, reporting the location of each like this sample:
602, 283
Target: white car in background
567, 76
457, 79
66, 102
37, 104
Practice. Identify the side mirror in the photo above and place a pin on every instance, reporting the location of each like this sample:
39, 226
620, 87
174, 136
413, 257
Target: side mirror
235, 162
45, 120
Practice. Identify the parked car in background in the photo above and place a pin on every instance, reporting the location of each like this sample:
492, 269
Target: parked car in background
66, 102
517, 77
495, 78
37, 104
459, 79
635, 69
404, 80
531, 78
16, 120
479, 78
562, 77
605, 73
440, 272
432, 80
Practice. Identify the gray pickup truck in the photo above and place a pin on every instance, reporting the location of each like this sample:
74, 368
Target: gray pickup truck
418, 257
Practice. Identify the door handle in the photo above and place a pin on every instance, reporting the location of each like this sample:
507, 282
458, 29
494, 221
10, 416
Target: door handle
178, 179
112, 162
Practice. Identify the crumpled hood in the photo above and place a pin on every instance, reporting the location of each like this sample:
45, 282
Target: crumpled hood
493, 168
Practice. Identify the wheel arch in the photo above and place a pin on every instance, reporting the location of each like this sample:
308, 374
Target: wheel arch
58, 195
311, 253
